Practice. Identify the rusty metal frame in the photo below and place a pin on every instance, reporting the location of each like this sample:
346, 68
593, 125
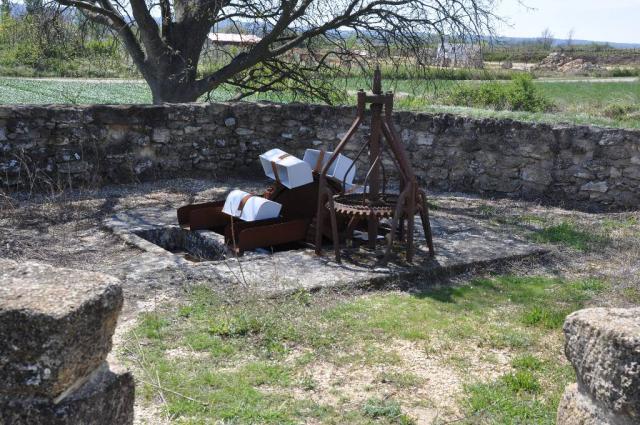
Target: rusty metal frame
411, 199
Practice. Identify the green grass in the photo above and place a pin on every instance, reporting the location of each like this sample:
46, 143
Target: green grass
27, 91
578, 103
609, 224
387, 409
631, 295
521, 397
585, 97
568, 234
550, 318
240, 363
400, 379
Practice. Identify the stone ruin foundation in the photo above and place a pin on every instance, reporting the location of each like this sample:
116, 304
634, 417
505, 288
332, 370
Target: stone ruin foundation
462, 243
603, 345
56, 327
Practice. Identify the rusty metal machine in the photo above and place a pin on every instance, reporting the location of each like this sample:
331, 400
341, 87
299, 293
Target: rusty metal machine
298, 211
374, 203
329, 209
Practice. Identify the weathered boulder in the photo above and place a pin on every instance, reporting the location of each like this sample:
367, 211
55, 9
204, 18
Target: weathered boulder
603, 345
55, 326
104, 398
577, 408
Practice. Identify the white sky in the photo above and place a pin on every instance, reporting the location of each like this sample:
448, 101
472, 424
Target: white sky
596, 20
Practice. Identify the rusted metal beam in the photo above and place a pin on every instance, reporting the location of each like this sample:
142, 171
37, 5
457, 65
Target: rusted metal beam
265, 236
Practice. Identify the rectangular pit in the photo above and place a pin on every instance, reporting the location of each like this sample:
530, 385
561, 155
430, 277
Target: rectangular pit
195, 246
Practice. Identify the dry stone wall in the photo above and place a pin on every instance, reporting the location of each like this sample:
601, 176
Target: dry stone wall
576, 166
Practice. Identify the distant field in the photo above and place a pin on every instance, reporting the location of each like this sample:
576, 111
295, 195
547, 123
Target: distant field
31, 91
585, 97
581, 102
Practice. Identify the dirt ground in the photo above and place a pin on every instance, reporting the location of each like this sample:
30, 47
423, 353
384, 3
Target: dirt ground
65, 230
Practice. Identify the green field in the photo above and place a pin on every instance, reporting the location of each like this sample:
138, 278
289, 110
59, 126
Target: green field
615, 103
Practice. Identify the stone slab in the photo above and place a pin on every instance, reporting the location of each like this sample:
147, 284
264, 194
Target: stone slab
55, 326
461, 242
577, 408
106, 398
603, 345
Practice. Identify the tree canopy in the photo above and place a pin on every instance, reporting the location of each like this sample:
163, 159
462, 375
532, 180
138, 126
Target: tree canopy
301, 40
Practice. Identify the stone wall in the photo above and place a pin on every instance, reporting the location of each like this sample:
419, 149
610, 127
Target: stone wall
576, 166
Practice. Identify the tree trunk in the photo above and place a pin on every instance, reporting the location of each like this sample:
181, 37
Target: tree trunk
172, 77
168, 90
173, 80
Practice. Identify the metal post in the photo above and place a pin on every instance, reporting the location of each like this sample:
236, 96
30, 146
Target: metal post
374, 153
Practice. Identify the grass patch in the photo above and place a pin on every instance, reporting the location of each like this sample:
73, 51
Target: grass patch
385, 409
522, 381
487, 210
550, 318
502, 402
526, 362
529, 395
632, 295
239, 361
568, 234
532, 219
399, 379
609, 224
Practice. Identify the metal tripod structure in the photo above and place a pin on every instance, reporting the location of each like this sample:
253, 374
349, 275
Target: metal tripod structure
374, 204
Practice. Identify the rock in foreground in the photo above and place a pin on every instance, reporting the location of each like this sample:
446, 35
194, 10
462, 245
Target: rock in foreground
577, 408
603, 345
105, 398
55, 326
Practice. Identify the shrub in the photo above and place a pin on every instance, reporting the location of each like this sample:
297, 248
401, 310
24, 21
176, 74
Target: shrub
25, 54
620, 111
625, 72
518, 95
101, 48
524, 95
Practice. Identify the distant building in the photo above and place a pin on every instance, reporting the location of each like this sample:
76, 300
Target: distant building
459, 55
225, 39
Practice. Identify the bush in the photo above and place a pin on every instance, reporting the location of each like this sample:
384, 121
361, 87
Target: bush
518, 95
101, 48
625, 72
24, 54
524, 96
47, 44
621, 111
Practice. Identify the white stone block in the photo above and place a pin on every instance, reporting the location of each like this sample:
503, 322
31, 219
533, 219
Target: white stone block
255, 208
340, 168
292, 172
